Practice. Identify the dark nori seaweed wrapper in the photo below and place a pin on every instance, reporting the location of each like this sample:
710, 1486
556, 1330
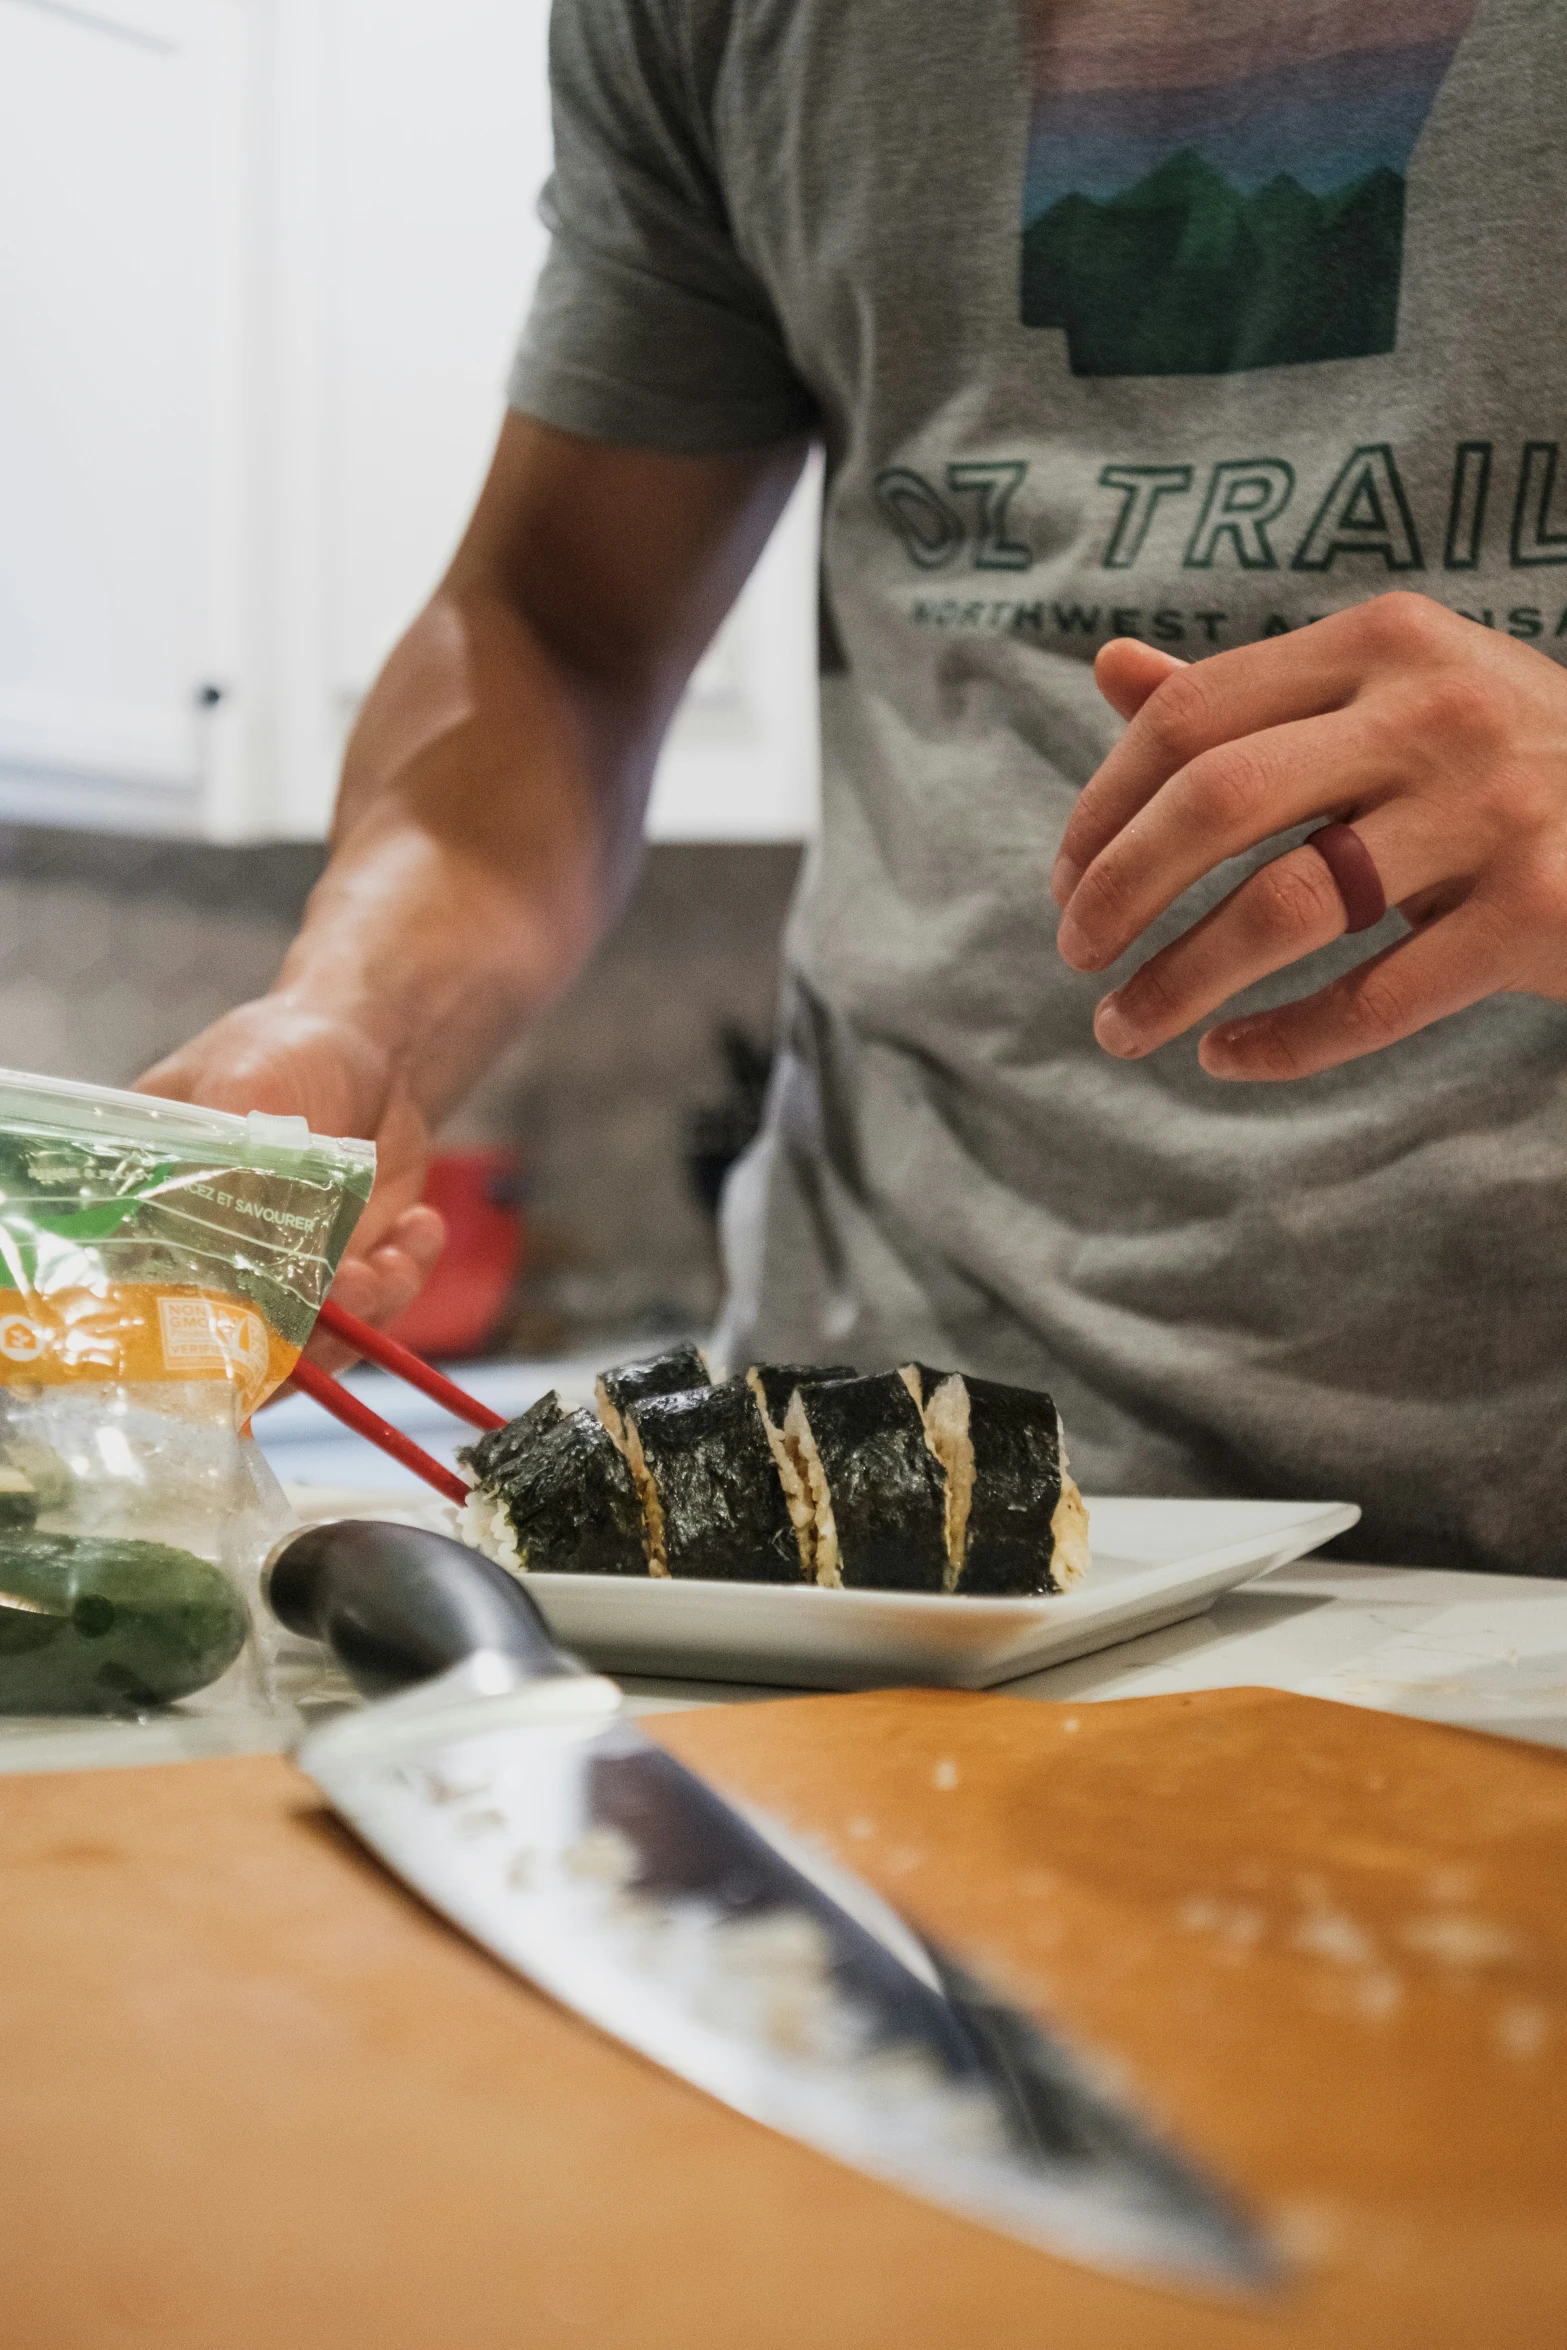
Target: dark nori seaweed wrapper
726, 1519
496, 1454
929, 1379
675, 1373
887, 1488
95, 1624
573, 1503
779, 1381
1017, 1484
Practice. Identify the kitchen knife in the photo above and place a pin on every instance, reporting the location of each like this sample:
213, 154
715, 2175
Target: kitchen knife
500, 1779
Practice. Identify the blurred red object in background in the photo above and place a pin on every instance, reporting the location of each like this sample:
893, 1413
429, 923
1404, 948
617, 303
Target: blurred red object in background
480, 1195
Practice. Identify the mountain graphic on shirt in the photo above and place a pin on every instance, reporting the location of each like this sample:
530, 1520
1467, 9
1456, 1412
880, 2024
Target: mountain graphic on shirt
1219, 184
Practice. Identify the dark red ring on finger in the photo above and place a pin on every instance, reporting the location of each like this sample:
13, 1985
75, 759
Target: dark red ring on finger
1356, 878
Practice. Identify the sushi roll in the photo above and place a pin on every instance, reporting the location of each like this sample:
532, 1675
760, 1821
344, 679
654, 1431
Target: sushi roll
618, 1392
719, 1511
1015, 1522
772, 1385
674, 1373
566, 1504
491, 1464
911, 1480
492, 1456
877, 1488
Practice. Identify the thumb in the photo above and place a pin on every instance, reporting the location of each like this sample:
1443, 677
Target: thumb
1127, 672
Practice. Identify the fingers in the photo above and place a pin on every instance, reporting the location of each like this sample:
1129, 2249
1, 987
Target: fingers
378, 1285
421, 1235
1127, 671
1289, 909
1221, 803
1441, 970
1195, 709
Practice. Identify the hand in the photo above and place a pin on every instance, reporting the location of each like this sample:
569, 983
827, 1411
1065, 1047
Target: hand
1444, 745
270, 1055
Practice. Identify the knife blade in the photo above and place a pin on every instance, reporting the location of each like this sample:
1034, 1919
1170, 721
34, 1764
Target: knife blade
505, 1785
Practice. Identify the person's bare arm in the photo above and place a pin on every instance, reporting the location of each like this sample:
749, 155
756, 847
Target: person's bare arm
489, 820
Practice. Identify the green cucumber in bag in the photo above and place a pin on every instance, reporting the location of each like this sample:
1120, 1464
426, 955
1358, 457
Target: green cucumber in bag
161, 1268
96, 1624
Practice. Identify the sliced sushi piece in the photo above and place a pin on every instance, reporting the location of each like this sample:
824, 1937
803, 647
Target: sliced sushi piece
877, 1488
498, 1452
566, 1504
628, 1384
1015, 1521
941, 1398
772, 1384
722, 1513
679, 1372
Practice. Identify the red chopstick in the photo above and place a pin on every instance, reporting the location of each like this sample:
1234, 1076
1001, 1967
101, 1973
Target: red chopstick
375, 1345
325, 1391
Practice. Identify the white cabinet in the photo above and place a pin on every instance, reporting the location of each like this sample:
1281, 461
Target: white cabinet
127, 422
263, 267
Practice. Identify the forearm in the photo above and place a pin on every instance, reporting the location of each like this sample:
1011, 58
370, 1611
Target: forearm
490, 816
491, 810
486, 831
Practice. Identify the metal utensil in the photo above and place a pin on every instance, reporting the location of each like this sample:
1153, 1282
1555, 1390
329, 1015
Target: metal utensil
507, 1788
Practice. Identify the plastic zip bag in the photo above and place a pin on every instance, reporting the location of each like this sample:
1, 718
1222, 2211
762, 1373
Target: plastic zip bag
161, 1268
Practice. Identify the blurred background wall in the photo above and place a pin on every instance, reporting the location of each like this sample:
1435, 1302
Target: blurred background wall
263, 265
113, 949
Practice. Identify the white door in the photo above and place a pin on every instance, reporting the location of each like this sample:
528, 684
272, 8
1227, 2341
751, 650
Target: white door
126, 272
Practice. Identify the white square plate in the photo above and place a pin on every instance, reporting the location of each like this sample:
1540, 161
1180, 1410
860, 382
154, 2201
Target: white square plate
1153, 1563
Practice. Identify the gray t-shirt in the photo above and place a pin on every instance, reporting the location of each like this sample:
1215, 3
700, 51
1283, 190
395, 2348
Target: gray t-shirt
1183, 318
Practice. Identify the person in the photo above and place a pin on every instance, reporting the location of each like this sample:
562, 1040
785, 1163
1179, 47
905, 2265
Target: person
1187, 376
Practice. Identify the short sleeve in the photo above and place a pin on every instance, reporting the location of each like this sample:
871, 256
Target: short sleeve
647, 327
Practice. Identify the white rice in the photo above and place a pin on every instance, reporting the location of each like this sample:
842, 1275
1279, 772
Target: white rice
1069, 1525
802, 1446
484, 1523
945, 1418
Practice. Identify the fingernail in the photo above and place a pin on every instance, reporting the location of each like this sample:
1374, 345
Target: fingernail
1216, 1048
1064, 878
1075, 949
1114, 1031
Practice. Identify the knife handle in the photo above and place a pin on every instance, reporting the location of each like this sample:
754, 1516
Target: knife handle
398, 1604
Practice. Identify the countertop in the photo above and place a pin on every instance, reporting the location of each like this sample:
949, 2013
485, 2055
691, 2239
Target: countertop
1481, 1652
1484, 1651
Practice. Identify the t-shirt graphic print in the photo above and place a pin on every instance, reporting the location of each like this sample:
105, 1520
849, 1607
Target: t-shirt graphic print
1219, 184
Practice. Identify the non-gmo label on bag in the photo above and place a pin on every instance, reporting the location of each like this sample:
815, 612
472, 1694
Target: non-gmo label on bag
140, 1332
200, 1335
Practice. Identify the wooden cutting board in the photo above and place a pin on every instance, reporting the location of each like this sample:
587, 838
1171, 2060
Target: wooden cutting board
251, 2094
